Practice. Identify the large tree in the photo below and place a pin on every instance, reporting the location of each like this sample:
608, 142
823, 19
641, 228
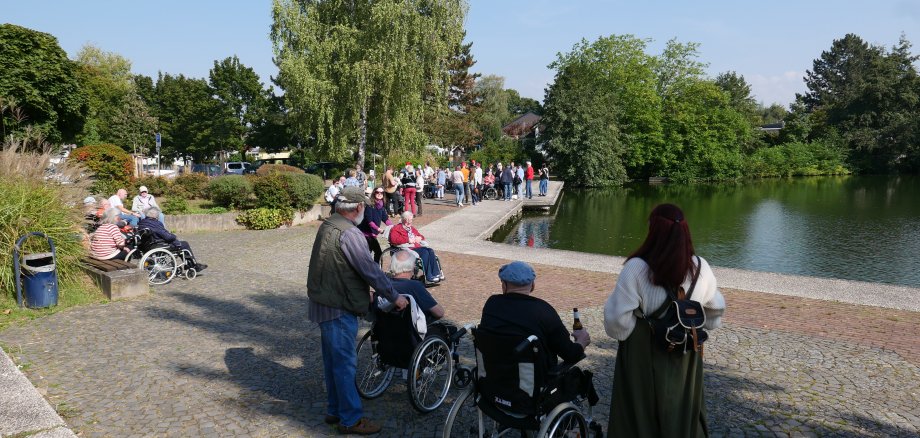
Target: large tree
189, 118
36, 73
357, 71
452, 122
107, 79
242, 98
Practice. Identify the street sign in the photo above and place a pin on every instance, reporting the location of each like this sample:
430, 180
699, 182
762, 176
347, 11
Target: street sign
158, 143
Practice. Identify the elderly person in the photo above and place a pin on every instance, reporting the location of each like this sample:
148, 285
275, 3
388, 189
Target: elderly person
145, 200
375, 220
154, 226
405, 235
107, 242
117, 202
402, 271
339, 279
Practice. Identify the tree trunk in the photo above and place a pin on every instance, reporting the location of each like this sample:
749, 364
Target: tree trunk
362, 137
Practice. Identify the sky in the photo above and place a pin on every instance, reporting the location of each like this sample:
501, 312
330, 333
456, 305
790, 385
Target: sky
771, 44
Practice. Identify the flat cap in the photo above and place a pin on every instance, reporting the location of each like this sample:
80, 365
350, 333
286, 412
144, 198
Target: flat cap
517, 273
353, 194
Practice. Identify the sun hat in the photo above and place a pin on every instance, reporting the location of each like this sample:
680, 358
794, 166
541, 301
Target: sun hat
142, 189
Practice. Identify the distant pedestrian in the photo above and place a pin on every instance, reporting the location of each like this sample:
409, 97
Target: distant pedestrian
544, 180
506, 178
457, 179
528, 180
408, 178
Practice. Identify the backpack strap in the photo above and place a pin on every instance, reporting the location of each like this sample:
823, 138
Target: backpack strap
696, 275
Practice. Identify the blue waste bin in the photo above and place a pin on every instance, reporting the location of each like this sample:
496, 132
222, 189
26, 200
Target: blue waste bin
36, 277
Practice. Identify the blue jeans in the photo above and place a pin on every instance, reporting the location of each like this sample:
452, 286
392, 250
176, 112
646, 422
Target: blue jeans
544, 186
529, 192
339, 364
129, 218
428, 262
507, 190
458, 189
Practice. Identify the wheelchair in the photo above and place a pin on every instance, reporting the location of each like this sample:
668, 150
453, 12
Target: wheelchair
490, 193
387, 256
160, 260
432, 363
513, 394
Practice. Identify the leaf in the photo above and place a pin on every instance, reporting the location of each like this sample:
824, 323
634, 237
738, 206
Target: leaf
7, 311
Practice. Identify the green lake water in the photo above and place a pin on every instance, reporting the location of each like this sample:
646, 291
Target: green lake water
863, 228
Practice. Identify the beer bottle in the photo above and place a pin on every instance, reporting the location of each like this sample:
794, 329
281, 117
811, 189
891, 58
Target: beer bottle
577, 324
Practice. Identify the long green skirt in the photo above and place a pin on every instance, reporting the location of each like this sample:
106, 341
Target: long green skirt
656, 393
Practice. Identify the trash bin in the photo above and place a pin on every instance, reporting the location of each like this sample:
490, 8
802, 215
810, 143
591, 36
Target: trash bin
37, 275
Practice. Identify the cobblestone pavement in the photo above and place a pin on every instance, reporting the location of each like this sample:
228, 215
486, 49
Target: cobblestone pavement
231, 353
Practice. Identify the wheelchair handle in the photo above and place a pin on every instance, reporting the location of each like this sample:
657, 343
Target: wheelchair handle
460, 333
525, 343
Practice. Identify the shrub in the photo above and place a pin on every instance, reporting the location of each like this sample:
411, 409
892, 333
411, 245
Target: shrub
231, 191
175, 205
264, 218
217, 210
195, 184
268, 169
112, 166
156, 185
178, 191
272, 191
305, 189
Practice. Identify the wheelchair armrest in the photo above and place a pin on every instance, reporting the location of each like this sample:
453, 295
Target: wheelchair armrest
525, 343
564, 367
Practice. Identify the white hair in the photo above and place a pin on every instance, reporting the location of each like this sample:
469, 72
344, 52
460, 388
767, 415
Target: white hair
346, 207
110, 216
403, 261
406, 215
152, 213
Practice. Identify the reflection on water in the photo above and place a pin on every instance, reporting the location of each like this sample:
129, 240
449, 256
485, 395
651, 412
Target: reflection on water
858, 228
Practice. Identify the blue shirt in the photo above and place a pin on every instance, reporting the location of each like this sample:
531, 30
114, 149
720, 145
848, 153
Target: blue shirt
423, 298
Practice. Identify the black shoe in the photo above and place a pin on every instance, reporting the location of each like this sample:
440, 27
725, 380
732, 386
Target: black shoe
201, 267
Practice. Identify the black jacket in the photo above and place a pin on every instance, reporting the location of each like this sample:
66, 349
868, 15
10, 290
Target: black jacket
157, 228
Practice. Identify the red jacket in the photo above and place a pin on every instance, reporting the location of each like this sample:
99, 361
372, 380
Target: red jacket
528, 173
399, 236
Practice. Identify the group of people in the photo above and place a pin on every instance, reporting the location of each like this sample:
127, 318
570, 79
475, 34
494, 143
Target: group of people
655, 392
111, 224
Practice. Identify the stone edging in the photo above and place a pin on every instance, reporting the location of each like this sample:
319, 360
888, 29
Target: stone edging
185, 223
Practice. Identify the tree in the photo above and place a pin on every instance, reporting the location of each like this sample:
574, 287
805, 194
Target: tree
518, 105
356, 71
187, 112
107, 79
461, 95
491, 107
739, 96
132, 125
242, 98
271, 131
452, 123
38, 75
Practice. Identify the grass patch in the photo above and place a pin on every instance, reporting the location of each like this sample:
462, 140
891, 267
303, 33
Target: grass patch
198, 206
70, 294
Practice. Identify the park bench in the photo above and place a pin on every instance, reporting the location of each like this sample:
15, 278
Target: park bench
117, 279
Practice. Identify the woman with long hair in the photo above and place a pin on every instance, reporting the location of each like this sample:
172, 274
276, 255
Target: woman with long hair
375, 221
658, 393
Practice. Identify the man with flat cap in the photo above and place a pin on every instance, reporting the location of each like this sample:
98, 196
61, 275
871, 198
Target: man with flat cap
341, 274
517, 312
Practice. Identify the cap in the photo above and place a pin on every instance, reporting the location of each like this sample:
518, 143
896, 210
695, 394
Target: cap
353, 194
142, 189
517, 273
89, 200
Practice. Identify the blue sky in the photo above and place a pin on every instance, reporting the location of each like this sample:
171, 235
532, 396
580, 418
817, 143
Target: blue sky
770, 43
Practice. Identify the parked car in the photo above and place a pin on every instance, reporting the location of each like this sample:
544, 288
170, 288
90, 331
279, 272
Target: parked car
258, 163
207, 169
236, 167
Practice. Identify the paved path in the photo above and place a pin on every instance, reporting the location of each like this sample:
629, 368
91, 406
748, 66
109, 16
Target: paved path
231, 353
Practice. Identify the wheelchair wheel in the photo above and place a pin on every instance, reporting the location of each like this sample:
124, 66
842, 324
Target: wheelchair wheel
563, 421
372, 376
490, 194
191, 273
465, 420
160, 265
430, 374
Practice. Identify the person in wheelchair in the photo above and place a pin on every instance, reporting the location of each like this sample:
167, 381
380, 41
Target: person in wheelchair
405, 235
402, 276
152, 224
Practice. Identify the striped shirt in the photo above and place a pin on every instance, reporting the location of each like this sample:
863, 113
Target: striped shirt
106, 242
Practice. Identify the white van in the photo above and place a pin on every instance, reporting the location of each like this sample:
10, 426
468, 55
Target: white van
236, 167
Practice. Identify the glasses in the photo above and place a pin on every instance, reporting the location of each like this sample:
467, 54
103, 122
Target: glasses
378, 192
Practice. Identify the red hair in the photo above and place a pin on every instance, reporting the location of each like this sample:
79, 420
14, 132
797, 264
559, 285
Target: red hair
668, 248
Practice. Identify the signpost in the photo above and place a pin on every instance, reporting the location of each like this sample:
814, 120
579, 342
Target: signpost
158, 153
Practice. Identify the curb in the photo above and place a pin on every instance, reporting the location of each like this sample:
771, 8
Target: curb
23, 411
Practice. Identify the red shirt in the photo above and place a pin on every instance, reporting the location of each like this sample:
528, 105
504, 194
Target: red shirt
528, 173
400, 236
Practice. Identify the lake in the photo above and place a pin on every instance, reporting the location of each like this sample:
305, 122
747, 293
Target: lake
863, 228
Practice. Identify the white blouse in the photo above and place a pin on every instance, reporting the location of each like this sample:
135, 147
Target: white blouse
634, 289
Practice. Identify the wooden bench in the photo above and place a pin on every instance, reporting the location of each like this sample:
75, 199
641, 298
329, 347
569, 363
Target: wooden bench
117, 279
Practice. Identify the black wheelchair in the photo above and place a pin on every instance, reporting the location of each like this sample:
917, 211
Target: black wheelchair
490, 192
162, 261
513, 394
387, 256
432, 362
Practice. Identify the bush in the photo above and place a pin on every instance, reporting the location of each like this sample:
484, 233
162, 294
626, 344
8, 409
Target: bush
156, 185
178, 191
175, 205
231, 191
272, 191
268, 169
112, 166
305, 190
195, 184
264, 218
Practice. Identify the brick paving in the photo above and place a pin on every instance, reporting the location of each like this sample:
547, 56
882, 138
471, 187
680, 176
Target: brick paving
231, 353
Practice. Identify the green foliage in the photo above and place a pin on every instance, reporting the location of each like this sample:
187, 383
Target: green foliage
272, 191
264, 218
194, 184
268, 169
242, 99
28, 205
231, 191
796, 159
503, 150
305, 190
111, 166
156, 185
189, 117
175, 205
38, 75
353, 71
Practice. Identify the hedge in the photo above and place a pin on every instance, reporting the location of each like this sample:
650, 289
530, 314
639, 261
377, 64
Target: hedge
112, 167
231, 191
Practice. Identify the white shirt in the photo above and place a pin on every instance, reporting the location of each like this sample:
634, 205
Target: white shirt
115, 202
331, 192
477, 178
141, 204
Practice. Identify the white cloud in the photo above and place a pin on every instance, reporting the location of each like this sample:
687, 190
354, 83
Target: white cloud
778, 88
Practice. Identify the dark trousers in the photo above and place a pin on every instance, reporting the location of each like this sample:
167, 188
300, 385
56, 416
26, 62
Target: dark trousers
374, 245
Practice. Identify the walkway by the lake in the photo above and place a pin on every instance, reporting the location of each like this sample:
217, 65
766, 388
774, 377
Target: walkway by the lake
232, 353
